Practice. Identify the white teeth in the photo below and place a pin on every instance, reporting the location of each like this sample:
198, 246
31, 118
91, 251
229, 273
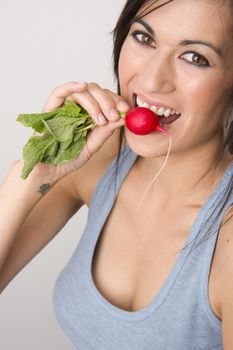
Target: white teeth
141, 103
138, 102
161, 111
158, 110
167, 112
154, 109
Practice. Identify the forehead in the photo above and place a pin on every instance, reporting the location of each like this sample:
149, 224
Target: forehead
202, 19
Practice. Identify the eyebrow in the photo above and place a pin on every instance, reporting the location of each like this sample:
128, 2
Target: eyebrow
181, 43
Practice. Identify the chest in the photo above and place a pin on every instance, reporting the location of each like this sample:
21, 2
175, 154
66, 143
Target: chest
135, 254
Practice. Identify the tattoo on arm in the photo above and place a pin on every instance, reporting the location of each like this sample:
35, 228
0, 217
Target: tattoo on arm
44, 188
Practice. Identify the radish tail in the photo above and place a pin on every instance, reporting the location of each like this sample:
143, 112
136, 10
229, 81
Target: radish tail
156, 175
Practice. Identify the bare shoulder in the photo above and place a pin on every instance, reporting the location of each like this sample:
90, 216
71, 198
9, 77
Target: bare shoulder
85, 179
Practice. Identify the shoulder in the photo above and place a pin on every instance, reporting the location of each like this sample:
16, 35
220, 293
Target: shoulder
85, 179
225, 276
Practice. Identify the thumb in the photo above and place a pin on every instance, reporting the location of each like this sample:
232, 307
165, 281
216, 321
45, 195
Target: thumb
99, 135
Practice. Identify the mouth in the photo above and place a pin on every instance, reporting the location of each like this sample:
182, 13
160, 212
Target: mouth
166, 115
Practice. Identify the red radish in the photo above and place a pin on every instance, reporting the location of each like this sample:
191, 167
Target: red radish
142, 121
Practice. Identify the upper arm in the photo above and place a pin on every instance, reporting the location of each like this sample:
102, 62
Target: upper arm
45, 220
226, 285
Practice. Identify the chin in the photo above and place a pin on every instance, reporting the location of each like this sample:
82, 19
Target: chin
148, 146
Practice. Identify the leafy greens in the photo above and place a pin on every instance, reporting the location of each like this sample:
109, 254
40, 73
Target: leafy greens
61, 135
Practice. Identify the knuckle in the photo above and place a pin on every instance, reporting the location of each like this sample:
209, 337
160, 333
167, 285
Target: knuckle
93, 85
72, 82
56, 90
63, 88
68, 85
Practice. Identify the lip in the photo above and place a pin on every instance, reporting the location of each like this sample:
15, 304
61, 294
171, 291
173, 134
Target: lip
152, 103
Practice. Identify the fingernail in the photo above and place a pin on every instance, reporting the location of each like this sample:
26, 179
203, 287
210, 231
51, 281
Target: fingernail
123, 105
101, 119
113, 114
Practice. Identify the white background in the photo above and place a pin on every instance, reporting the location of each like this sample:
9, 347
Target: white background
44, 44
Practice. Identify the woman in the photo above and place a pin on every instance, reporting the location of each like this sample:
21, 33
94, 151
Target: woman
158, 278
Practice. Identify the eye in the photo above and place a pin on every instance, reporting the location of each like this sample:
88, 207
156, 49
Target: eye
143, 38
197, 59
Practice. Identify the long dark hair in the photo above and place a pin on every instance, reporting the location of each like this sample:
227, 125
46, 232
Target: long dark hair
120, 33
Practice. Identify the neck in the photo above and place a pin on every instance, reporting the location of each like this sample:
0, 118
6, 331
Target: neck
183, 174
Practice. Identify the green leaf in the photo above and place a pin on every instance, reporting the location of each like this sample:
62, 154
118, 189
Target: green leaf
50, 152
65, 154
34, 151
62, 129
35, 120
70, 109
64, 132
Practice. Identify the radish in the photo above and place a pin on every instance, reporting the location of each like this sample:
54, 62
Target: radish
142, 121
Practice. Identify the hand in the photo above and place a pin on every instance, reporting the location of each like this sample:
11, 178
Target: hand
102, 105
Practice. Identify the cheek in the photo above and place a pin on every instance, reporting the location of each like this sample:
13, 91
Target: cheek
130, 65
124, 70
203, 94
206, 100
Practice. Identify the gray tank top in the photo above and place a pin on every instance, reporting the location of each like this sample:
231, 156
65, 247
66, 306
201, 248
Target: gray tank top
179, 317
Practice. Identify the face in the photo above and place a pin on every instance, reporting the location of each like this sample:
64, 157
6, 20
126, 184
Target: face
160, 64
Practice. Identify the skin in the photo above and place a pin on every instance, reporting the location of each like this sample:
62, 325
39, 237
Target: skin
161, 71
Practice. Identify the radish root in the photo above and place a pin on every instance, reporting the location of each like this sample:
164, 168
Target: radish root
156, 175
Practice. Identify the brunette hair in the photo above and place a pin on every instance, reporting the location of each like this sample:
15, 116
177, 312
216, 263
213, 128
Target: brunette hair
120, 32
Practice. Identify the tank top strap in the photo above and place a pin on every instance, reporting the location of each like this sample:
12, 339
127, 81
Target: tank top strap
222, 201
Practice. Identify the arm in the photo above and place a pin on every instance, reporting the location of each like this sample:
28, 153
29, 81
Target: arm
29, 221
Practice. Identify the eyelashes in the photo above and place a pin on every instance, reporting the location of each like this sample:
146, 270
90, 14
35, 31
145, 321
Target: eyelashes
199, 58
146, 40
142, 38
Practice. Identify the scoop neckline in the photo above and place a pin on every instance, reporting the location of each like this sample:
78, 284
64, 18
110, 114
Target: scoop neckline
162, 293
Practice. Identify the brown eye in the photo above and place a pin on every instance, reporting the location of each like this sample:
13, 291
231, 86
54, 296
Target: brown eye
143, 38
197, 59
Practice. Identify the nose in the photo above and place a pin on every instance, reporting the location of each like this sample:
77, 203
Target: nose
158, 76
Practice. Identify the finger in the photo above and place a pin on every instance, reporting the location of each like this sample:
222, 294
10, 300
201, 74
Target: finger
105, 101
60, 93
108, 101
97, 137
122, 104
91, 105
